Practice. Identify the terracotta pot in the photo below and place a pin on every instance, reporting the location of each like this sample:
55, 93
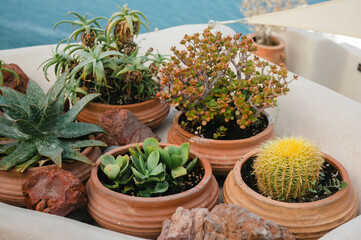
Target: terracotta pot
309, 220
140, 216
11, 180
222, 154
275, 54
151, 112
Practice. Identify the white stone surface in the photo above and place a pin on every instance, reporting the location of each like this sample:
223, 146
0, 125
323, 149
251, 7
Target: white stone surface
348, 231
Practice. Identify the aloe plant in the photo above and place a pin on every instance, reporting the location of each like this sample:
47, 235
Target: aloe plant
153, 169
39, 128
87, 29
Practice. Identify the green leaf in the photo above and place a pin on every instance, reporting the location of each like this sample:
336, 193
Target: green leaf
28, 128
150, 142
69, 117
25, 150
15, 111
89, 143
176, 160
112, 170
11, 132
165, 157
344, 184
122, 161
55, 90
16, 98
34, 92
138, 163
51, 148
184, 148
107, 159
8, 147
133, 152
78, 129
179, 171
173, 150
153, 160
139, 177
23, 166
160, 187
50, 115
158, 170
192, 164
35, 113
72, 154
6, 122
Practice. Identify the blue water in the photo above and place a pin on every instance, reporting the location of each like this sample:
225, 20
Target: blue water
30, 22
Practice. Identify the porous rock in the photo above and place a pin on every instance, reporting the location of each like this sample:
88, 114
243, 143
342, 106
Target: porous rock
53, 190
223, 222
10, 79
123, 127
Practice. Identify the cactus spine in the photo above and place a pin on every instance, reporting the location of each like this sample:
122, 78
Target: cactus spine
286, 168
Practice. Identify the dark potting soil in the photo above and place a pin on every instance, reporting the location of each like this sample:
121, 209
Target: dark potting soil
234, 132
329, 171
183, 183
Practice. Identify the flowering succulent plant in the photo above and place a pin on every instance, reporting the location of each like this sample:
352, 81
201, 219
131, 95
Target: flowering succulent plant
200, 81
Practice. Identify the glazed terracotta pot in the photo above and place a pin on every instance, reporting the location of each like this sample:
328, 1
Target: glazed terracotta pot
151, 112
222, 154
143, 217
275, 54
11, 180
309, 220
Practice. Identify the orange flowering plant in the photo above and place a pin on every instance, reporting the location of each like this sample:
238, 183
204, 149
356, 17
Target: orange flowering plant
217, 78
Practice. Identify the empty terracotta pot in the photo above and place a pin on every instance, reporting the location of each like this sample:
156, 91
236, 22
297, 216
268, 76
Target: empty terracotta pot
275, 54
151, 112
143, 217
222, 154
11, 180
309, 220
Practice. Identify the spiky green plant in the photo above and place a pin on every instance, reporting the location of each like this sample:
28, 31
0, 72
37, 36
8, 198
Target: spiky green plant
86, 28
39, 128
286, 168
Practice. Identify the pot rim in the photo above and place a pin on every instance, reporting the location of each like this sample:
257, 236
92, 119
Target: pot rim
255, 138
280, 43
319, 203
183, 195
147, 102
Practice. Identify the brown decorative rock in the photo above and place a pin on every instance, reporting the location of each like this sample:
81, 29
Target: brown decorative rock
229, 222
222, 154
123, 127
11, 81
11, 180
309, 220
151, 112
53, 190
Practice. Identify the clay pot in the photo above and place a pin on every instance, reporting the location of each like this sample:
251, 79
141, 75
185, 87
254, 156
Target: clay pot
222, 154
151, 112
11, 180
143, 217
309, 220
275, 54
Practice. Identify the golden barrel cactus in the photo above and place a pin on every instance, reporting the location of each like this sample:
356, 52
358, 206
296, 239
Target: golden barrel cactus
286, 168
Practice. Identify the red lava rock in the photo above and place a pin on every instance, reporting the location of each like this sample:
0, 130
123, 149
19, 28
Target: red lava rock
53, 190
223, 222
123, 127
10, 79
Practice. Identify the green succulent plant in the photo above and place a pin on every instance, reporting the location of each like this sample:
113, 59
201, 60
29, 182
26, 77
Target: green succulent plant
125, 16
287, 168
111, 65
40, 130
5, 70
153, 168
87, 29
